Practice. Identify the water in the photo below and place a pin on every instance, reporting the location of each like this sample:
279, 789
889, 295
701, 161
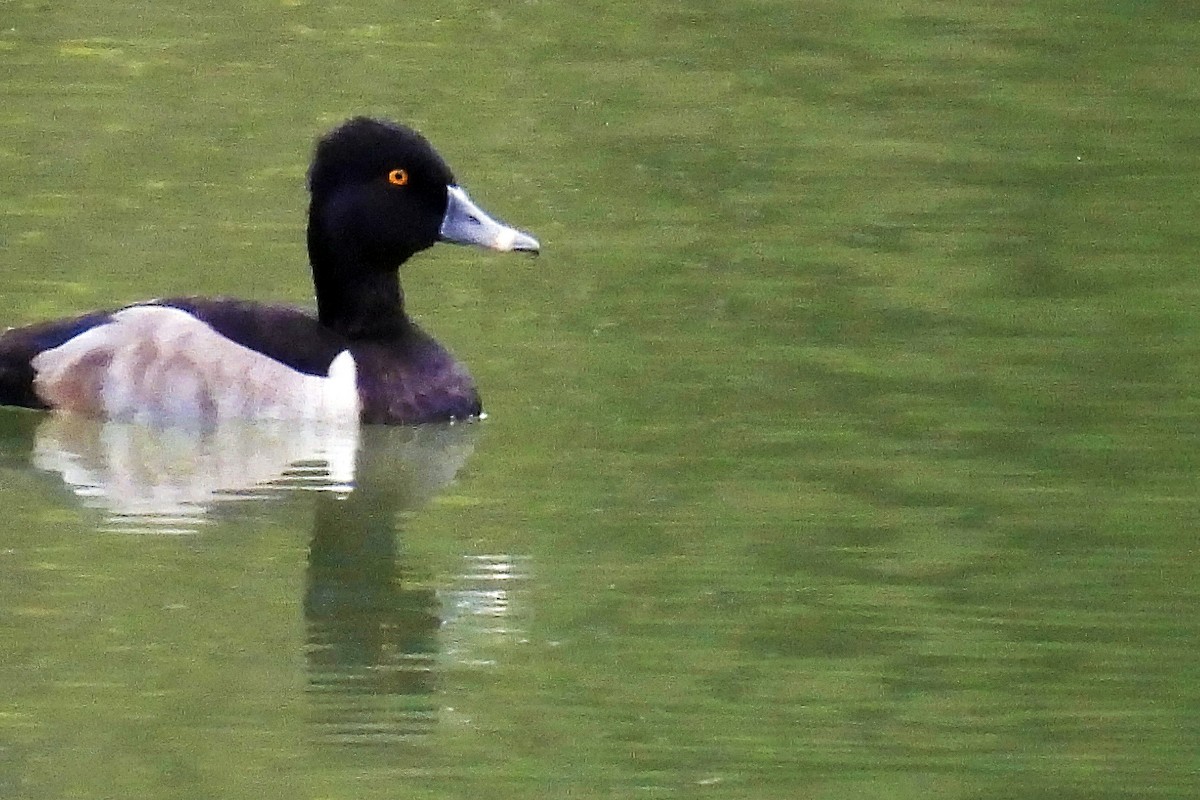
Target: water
842, 441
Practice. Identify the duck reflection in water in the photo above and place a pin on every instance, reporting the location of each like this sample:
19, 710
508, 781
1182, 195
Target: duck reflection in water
372, 629
373, 634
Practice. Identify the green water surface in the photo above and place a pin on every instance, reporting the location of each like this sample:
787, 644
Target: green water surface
843, 441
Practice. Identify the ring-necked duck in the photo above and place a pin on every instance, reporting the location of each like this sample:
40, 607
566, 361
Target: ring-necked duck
379, 194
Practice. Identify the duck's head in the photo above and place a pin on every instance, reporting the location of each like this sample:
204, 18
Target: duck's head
381, 193
382, 187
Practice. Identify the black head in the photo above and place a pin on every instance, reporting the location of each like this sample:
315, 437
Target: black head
381, 193
378, 191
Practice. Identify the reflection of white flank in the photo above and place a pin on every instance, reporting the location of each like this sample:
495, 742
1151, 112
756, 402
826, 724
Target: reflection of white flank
153, 479
165, 478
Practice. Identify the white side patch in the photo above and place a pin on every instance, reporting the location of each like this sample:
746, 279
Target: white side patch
162, 365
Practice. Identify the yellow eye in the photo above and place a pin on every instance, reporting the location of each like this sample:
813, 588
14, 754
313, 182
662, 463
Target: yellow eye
398, 177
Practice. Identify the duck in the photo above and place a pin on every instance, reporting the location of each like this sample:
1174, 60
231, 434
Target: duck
379, 194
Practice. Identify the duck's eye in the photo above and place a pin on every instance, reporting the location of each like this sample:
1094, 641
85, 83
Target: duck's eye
398, 177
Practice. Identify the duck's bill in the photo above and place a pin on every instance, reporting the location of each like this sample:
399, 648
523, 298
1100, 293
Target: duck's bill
467, 223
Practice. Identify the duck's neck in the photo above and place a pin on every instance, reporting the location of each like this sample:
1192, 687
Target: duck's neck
356, 297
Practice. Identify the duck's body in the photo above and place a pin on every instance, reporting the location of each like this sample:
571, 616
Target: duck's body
379, 194
184, 360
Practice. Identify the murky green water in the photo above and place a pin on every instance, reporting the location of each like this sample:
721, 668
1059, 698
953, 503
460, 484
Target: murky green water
843, 442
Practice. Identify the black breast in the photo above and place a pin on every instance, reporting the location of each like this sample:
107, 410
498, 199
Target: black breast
412, 381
